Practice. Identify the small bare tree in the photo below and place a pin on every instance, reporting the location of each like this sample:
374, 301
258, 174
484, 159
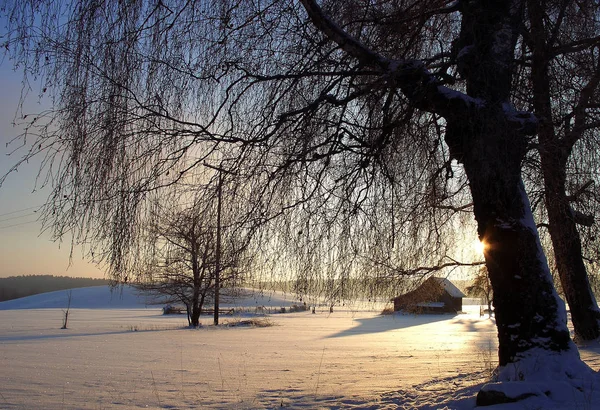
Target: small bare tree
66, 311
179, 262
482, 287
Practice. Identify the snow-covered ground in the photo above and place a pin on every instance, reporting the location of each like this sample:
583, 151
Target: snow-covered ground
113, 357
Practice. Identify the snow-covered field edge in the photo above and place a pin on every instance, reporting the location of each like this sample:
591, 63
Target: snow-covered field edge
352, 358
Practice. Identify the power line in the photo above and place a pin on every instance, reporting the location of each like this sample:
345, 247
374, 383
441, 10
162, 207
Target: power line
21, 210
19, 224
17, 217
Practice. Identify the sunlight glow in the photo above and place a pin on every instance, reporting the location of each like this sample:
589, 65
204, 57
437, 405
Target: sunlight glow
479, 246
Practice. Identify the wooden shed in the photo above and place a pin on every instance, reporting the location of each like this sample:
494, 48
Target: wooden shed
435, 295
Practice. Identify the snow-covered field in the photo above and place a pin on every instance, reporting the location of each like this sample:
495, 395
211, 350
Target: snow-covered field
122, 355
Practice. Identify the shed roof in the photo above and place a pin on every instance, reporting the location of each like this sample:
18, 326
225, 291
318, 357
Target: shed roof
449, 287
437, 283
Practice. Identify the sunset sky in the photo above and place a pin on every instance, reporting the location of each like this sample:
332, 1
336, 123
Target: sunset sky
24, 249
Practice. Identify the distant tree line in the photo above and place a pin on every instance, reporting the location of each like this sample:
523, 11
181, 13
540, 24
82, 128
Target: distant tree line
14, 287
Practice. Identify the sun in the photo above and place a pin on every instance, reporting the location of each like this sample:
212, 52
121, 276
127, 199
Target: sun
479, 246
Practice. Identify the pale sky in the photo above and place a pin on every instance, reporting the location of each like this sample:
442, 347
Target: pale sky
24, 249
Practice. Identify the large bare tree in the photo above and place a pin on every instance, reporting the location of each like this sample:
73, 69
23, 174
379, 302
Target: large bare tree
354, 120
563, 40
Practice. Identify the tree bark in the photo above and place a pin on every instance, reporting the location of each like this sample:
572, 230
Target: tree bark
195, 317
554, 155
189, 314
529, 314
196, 305
567, 252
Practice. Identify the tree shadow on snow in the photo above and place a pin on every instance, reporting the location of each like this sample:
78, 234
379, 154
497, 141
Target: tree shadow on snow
67, 334
384, 323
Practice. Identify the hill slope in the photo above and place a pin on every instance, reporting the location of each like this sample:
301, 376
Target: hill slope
127, 297
15, 287
95, 297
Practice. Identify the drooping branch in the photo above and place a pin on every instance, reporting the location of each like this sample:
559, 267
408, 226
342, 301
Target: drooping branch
580, 118
582, 219
580, 191
421, 271
411, 76
423, 89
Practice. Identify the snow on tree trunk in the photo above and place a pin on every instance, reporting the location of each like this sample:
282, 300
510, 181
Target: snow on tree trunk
566, 241
529, 313
490, 138
534, 342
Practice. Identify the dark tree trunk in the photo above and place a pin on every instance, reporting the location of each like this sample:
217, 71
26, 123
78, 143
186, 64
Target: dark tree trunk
196, 305
569, 262
189, 314
554, 154
529, 314
195, 317
528, 311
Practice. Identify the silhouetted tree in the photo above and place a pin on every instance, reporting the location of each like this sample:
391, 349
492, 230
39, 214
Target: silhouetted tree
178, 261
66, 311
562, 37
350, 115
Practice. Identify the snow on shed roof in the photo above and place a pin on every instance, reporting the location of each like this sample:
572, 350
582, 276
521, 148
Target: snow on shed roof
449, 287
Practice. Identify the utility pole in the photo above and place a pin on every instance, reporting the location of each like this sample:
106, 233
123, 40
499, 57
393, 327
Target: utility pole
218, 248
220, 170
